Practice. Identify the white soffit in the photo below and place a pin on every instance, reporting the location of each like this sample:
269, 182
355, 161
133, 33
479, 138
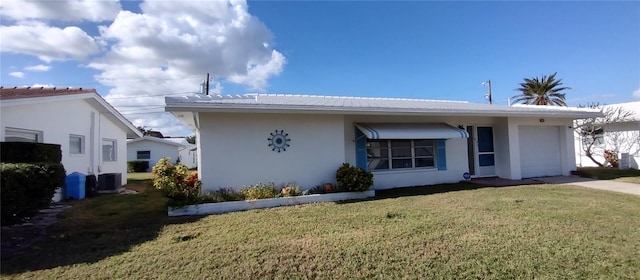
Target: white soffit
411, 131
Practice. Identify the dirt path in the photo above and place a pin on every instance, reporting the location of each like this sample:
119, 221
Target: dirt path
18, 237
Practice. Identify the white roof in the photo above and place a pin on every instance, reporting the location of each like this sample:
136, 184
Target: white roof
360, 105
633, 107
160, 140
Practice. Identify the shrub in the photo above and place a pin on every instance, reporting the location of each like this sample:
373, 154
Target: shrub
24, 152
137, 166
290, 189
260, 191
176, 182
611, 158
27, 188
222, 195
353, 179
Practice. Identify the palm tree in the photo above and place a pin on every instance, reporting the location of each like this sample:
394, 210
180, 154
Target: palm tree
545, 91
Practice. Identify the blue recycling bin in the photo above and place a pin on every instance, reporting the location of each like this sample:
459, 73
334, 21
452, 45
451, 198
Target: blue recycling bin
75, 185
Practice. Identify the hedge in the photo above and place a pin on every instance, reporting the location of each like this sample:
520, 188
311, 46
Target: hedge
137, 166
27, 188
22, 152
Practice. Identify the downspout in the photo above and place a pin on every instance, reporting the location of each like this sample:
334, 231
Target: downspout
92, 141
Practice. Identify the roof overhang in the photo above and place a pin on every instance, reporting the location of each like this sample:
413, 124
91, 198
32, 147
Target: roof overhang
411, 131
154, 139
304, 104
93, 99
500, 111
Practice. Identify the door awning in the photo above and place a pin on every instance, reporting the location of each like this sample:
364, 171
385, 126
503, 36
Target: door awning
411, 131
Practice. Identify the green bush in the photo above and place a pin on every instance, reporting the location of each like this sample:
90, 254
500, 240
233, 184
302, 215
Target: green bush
290, 189
353, 179
137, 166
260, 191
24, 152
176, 182
221, 195
27, 188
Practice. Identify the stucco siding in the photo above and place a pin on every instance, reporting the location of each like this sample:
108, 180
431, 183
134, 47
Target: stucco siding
234, 151
58, 120
39, 117
157, 151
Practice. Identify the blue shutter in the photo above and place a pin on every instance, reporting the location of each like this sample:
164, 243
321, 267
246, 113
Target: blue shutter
361, 150
442, 154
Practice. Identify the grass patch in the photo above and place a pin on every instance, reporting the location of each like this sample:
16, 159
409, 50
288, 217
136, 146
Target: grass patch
139, 176
538, 231
603, 173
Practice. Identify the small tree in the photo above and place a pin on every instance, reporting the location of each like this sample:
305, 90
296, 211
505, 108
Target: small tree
592, 131
544, 91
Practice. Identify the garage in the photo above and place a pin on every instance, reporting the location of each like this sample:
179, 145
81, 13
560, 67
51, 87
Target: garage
540, 151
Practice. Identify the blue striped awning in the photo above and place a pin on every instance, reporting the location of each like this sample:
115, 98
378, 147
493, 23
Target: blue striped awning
411, 131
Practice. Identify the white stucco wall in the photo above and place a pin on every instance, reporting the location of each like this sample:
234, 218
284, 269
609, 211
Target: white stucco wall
188, 157
57, 120
628, 141
158, 151
233, 149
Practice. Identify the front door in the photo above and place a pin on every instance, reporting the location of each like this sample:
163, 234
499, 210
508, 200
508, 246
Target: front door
481, 151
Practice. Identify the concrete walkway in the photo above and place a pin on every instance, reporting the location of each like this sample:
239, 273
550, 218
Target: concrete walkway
608, 185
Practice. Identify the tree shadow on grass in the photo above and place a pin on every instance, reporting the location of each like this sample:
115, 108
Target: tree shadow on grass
606, 173
444, 188
93, 230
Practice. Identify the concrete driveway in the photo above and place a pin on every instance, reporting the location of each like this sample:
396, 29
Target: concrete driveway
608, 185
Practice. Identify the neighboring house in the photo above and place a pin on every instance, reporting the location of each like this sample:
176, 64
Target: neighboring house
90, 132
247, 139
621, 137
152, 149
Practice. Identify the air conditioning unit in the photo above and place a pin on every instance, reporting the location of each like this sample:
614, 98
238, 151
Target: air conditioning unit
109, 181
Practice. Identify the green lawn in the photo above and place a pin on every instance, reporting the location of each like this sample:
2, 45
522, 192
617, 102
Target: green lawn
139, 176
627, 175
538, 231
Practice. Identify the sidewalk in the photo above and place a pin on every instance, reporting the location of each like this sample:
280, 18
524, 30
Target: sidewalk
608, 185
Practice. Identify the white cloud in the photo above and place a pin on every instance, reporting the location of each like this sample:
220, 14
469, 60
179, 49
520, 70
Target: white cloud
636, 93
63, 10
40, 68
17, 74
42, 85
47, 43
257, 74
169, 48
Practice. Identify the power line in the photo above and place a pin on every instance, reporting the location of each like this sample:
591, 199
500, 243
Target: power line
151, 95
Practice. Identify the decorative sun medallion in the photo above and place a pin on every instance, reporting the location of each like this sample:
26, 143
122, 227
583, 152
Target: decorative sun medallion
279, 141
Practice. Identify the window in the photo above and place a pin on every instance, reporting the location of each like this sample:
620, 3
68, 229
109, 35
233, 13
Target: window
399, 154
76, 144
22, 135
109, 150
144, 155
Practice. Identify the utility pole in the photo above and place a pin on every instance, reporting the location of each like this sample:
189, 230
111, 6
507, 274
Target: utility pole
488, 95
207, 85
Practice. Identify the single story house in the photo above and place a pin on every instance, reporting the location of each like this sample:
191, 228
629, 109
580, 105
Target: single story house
247, 139
91, 133
152, 149
622, 137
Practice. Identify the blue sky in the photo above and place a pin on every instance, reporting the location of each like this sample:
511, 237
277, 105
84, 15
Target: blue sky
416, 49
